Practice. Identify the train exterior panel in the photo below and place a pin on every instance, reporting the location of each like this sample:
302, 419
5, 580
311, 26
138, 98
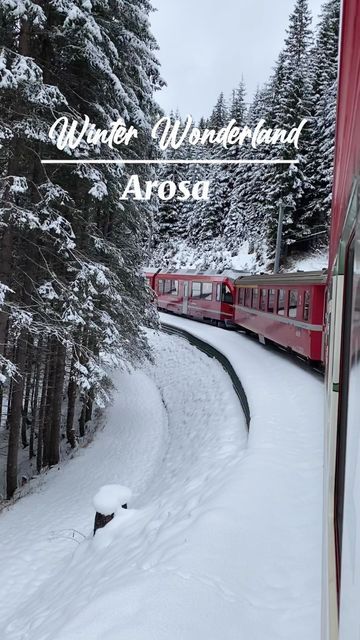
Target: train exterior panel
341, 531
286, 309
208, 297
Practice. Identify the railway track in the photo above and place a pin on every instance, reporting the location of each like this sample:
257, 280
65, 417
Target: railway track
212, 352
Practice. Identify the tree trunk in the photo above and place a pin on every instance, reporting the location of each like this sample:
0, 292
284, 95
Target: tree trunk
72, 389
40, 442
6, 245
15, 418
34, 401
49, 402
54, 443
25, 410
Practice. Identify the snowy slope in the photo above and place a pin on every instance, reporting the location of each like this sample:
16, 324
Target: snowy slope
174, 460
222, 538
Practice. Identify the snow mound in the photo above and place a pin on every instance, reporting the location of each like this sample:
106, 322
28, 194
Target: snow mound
110, 498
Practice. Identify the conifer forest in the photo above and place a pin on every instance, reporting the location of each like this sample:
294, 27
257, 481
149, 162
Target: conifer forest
73, 298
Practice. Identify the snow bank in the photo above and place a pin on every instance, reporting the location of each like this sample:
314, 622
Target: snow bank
224, 538
110, 498
174, 435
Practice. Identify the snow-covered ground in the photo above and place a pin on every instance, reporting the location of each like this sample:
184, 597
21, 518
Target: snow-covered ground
213, 255
222, 537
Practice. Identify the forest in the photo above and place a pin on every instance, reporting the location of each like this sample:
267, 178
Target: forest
244, 199
72, 295
73, 299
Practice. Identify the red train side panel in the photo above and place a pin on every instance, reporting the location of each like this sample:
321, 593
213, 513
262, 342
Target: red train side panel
347, 150
206, 297
287, 309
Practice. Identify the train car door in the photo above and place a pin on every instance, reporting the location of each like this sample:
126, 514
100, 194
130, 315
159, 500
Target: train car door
185, 298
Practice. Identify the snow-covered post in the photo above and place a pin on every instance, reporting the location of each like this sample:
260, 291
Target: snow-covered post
107, 502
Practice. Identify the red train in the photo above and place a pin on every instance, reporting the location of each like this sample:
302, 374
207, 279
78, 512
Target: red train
341, 539
203, 296
285, 309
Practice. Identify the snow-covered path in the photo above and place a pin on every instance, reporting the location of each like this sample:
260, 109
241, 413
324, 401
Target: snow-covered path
222, 540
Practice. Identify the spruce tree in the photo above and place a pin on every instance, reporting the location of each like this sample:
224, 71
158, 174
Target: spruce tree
71, 253
321, 157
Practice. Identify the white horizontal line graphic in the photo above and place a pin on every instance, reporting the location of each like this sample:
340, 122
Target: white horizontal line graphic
106, 161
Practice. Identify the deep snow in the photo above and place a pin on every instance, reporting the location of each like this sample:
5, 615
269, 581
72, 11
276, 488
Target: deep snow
222, 538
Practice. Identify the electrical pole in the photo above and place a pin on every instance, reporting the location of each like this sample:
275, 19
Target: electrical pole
279, 238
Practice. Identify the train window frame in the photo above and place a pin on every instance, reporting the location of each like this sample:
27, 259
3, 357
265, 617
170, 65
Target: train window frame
307, 305
272, 293
281, 302
174, 287
263, 300
248, 301
161, 286
290, 305
197, 296
255, 298
205, 296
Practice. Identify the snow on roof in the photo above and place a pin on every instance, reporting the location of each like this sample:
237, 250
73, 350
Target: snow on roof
298, 277
228, 273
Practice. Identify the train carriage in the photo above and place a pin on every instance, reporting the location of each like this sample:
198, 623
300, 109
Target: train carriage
341, 564
206, 296
286, 309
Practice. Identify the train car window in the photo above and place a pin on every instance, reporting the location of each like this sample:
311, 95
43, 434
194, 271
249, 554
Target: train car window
248, 296
196, 290
306, 305
161, 286
293, 303
242, 296
281, 302
226, 295
206, 291
218, 292
174, 289
255, 300
167, 286
271, 302
263, 299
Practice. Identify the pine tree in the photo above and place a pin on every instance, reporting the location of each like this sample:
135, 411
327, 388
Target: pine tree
291, 184
321, 157
71, 285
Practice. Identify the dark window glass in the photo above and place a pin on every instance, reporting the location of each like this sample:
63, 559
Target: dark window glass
293, 303
263, 300
306, 305
255, 300
174, 290
281, 303
196, 290
206, 291
167, 286
271, 303
248, 295
226, 295
241, 296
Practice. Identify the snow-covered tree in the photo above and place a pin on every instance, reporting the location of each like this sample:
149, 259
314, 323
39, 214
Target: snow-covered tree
70, 268
321, 156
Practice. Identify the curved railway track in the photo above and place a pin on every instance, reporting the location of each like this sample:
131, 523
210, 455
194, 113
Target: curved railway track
212, 352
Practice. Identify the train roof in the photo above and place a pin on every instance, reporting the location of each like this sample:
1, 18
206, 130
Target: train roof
296, 278
232, 274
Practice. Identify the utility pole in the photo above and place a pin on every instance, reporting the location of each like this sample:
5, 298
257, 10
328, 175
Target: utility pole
279, 237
